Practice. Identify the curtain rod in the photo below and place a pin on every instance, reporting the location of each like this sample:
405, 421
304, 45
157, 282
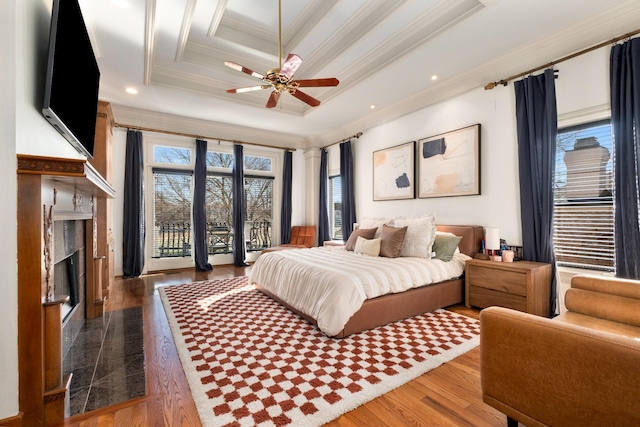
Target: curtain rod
119, 125
357, 135
504, 82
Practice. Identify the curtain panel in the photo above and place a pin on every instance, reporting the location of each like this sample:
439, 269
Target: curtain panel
537, 128
324, 232
625, 122
239, 214
348, 189
285, 217
134, 227
201, 253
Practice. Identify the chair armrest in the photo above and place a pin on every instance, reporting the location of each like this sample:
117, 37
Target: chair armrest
545, 372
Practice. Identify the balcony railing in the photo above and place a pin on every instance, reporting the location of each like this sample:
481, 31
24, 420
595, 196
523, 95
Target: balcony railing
174, 239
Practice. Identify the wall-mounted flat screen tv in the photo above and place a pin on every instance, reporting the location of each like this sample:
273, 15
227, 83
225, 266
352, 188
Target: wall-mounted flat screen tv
73, 77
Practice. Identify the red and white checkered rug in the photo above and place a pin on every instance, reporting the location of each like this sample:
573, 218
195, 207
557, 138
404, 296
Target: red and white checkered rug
252, 362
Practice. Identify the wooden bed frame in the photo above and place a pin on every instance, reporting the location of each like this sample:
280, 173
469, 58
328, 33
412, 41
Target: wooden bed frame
393, 307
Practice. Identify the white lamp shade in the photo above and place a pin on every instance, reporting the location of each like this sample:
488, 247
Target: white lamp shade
492, 238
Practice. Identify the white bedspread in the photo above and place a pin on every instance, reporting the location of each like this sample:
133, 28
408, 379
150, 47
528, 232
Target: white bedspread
330, 284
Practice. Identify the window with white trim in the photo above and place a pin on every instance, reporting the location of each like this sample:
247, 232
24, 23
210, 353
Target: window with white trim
583, 202
172, 179
172, 183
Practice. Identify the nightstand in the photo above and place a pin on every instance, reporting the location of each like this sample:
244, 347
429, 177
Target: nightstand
521, 285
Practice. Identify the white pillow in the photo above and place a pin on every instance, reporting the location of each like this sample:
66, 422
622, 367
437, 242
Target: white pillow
421, 233
367, 247
375, 223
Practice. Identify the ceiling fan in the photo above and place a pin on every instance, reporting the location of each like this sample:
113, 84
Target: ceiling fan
281, 79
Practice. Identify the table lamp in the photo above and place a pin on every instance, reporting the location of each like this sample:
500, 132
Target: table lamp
492, 242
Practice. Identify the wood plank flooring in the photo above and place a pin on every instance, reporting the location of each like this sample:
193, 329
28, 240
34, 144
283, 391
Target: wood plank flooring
446, 396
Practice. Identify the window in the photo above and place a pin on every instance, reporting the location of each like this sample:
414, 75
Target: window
258, 193
172, 213
583, 206
335, 207
172, 170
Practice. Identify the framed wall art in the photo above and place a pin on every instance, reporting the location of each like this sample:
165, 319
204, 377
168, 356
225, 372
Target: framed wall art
394, 172
449, 164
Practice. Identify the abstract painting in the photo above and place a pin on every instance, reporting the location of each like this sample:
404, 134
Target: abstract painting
449, 163
393, 172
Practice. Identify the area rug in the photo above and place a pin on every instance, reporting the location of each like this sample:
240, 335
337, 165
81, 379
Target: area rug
251, 362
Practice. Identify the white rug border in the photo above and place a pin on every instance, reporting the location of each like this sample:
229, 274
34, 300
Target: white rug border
324, 415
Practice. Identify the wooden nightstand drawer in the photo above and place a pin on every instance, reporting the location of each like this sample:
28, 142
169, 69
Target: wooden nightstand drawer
522, 285
512, 282
482, 298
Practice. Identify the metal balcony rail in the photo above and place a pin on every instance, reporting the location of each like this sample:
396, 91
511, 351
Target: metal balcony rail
174, 238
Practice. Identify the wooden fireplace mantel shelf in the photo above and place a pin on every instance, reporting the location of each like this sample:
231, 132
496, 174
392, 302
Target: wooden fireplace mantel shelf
77, 172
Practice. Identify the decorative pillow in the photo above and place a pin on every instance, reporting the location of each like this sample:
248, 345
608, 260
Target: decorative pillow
374, 223
420, 235
367, 233
391, 241
369, 247
445, 246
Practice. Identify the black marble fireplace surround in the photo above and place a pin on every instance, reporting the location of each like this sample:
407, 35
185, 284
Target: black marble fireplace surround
105, 354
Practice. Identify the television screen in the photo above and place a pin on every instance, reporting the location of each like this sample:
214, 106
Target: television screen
73, 77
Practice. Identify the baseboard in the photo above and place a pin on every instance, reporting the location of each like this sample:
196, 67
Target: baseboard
12, 421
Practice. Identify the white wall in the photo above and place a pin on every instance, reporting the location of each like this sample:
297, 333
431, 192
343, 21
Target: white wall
582, 95
10, 22
498, 203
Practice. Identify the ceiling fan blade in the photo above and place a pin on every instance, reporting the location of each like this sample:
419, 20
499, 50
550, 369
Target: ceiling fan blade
243, 69
304, 97
290, 65
273, 99
318, 82
248, 89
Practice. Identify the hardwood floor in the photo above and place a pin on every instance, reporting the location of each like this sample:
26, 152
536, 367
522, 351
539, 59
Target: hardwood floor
446, 396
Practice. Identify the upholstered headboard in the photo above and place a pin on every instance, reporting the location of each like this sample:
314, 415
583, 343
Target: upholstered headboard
472, 236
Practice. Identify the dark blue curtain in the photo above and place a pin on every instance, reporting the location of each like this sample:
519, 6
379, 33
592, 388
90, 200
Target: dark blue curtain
239, 214
324, 232
200, 208
625, 121
537, 123
133, 232
285, 217
348, 189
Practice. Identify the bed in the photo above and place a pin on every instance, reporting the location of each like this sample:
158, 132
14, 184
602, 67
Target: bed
340, 309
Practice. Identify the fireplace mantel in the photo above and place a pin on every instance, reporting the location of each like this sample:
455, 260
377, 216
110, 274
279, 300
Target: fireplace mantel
78, 173
50, 189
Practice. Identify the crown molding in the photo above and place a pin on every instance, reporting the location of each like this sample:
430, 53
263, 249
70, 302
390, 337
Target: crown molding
208, 129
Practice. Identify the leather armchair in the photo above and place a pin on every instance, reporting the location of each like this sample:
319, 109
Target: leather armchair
302, 236
579, 369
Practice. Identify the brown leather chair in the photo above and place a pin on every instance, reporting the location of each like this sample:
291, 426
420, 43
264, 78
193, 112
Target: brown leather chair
302, 236
581, 368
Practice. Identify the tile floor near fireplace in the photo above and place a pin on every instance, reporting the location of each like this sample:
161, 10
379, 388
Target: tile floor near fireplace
107, 361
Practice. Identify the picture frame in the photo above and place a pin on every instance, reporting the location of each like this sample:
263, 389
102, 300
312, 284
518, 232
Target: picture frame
394, 172
449, 164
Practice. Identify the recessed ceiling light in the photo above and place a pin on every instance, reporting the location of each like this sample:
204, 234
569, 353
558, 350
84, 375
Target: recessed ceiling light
372, 106
434, 77
124, 4
131, 90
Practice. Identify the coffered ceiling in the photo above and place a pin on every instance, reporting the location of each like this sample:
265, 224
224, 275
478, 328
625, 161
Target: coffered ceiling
383, 52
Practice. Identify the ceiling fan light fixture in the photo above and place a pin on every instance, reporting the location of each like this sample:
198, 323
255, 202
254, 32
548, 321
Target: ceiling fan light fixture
281, 79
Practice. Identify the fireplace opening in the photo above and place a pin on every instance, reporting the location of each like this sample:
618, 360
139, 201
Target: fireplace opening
69, 275
66, 281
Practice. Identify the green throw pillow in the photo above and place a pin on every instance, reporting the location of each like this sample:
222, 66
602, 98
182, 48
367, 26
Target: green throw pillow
445, 246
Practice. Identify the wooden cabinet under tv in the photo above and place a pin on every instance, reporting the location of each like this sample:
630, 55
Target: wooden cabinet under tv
102, 162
